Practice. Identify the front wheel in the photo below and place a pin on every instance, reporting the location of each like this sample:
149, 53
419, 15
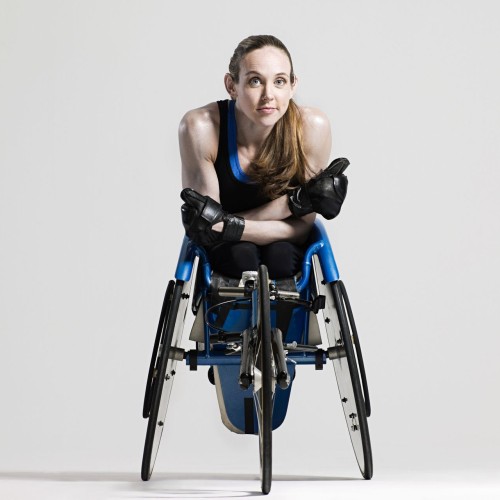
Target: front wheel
263, 380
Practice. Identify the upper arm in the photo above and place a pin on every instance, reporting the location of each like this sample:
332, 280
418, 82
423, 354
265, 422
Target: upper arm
317, 139
198, 145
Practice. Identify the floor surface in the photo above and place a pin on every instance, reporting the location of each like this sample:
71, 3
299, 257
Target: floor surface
470, 485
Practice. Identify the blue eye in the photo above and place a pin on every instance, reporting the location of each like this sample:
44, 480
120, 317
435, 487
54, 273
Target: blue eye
280, 82
254, 82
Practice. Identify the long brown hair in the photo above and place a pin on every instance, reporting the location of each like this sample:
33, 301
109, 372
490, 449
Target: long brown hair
280, 164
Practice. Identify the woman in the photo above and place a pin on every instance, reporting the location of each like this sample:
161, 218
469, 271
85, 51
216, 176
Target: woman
250, 166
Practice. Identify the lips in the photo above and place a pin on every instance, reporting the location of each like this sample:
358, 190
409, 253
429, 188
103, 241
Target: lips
266, 110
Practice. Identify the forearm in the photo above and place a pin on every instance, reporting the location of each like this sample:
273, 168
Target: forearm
207, 223
276, 210
268, 231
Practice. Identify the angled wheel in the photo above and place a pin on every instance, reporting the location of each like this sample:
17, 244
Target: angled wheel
155, 356
161, 377
263, 380
350, 388
357, 348
344, 350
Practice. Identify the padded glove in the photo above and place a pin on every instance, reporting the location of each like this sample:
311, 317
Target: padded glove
323, 194
200, 213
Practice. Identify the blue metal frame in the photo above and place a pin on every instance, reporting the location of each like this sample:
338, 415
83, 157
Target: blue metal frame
320, 245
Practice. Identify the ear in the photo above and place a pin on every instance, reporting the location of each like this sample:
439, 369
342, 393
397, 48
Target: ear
294, 84
230, 86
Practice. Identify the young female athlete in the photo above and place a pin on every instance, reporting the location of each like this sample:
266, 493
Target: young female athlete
252, 166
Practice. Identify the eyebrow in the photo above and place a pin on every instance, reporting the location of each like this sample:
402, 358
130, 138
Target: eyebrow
258, 74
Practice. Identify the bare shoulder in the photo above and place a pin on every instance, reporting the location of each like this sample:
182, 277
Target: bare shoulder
199, 119
199, 132
317, 137
314, 118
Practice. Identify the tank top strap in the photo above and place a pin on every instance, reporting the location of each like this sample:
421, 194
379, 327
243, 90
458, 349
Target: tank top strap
222, 151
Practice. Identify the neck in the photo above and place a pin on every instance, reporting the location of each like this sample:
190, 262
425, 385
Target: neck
250, 135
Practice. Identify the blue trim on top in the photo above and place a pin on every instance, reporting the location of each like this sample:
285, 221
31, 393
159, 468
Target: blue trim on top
233, 146
325, 254
322, 247
189, 251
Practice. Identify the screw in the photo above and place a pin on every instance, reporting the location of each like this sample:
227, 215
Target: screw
160, 423
344, 400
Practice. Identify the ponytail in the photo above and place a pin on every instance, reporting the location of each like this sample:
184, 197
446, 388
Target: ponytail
281, 163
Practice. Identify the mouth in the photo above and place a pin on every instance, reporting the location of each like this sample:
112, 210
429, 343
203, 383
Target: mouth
266, 110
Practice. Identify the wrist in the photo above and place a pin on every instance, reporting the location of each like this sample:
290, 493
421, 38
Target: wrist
218, 227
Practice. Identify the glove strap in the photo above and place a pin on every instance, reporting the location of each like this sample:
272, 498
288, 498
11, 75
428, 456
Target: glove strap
299, 202
212, 211
233, 228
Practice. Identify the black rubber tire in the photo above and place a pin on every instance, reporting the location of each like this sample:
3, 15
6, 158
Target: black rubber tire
264, 396
359, 420
154, 364
357, 346
162, 387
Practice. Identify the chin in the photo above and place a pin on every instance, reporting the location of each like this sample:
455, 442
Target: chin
269, 121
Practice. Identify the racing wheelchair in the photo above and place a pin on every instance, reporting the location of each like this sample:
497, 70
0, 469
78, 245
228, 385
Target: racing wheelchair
253, 333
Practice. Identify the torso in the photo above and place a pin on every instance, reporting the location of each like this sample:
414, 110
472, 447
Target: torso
204, 144
237, 192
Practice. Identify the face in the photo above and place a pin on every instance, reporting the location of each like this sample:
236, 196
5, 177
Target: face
264, 88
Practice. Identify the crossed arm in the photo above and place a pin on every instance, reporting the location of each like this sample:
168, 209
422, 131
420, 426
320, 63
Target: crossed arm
273, 221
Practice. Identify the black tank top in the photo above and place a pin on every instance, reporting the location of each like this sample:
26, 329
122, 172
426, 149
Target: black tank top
237, 191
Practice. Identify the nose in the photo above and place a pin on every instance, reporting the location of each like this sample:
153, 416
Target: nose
267, 94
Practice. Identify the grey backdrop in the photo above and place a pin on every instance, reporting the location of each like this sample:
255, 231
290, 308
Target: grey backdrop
91, 94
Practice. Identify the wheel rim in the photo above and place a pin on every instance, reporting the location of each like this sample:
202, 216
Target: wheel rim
154, 363
357, 347
172, 336
346, 370
348, 381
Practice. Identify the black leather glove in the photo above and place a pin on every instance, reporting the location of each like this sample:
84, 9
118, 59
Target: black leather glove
200, 213
323, 194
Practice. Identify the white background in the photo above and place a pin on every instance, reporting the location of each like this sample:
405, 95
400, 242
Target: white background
91, 94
